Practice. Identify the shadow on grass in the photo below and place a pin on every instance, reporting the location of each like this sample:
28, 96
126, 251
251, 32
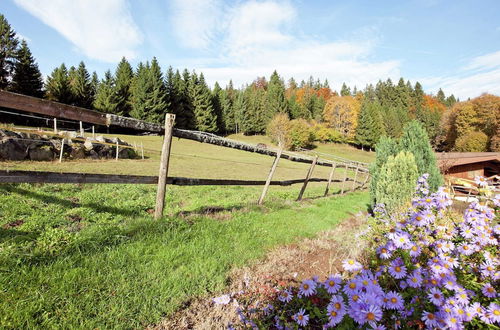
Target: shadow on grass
70, 204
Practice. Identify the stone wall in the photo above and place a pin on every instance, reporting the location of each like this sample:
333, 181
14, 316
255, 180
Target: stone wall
40, 147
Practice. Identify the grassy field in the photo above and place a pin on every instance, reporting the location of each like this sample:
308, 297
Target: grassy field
90, 256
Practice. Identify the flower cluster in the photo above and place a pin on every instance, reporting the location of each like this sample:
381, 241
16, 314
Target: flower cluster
430, 269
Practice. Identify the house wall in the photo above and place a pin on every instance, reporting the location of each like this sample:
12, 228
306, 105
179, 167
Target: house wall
467, 171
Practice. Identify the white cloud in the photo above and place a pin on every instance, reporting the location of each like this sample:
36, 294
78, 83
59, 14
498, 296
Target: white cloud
22, 37
257, 37
102, 30
480, 75
195, 22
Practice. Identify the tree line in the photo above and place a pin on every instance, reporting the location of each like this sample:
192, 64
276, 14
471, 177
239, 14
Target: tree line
352, 115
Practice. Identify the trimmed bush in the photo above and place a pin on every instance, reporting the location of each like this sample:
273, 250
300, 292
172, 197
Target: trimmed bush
386, 147
396, 181
300, 134
472, 142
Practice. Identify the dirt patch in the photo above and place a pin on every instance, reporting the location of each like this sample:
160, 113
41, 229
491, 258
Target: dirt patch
320, 256
13, 224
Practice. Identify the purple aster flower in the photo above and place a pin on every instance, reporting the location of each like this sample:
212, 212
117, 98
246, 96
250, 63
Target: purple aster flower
415, 279
397, 269
378, 327
351, 265
222, 300
393, 300
401, 239
352, 287
466, 249
383, 252
370, 314
285, 296
489, 291
494, 312
415, 251
487, 269
336, 310
496, 200
332, 283
435, 296
301, 318
307, 288
430, 320
466, 232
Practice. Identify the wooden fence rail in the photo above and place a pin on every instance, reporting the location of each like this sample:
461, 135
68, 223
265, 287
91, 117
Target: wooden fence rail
7, 176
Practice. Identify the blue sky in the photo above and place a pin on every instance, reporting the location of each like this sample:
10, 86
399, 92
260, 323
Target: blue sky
450, 44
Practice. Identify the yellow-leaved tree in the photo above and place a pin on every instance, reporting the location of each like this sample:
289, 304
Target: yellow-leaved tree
341, 113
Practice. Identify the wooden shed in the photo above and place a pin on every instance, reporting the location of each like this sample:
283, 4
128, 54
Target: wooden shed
467, 165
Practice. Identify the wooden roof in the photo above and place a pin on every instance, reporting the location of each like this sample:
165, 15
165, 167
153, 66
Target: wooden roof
463, 158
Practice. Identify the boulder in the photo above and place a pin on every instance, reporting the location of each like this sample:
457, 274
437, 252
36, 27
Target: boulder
43, 153
11, 149
88, 144
93, 154
77, 152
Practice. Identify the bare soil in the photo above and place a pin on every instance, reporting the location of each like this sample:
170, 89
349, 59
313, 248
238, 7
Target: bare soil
285, 265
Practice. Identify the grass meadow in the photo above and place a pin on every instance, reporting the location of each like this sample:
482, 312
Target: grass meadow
91, 256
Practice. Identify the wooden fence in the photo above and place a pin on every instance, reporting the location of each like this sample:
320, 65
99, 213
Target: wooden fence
57, 110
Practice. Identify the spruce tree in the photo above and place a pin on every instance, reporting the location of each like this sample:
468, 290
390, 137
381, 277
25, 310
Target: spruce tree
370, 126
94, 85
139, 92
157, 105
106, 99
275, 98
345, 91
206, 119
217, 105
81, 87
228, 112
57, 86
416, 141
185, 100
27, 78
123, 81
440, 96
386, 147
240, 109
8, 52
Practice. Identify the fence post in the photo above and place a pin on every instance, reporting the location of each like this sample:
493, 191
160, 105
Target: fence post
345, 179
330, 178
355, 177
117, 149
308, 176
62, 148
366, 180
270, 176
81, 129
93, 132
142, 151
55, 125
165, 156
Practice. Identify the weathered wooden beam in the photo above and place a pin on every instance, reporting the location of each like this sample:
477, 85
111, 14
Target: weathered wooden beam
7, 176
270, 177
330, 178
306, 180
50, 108
164, 161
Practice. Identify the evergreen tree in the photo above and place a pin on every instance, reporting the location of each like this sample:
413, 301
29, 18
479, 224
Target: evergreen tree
450, 101
403, 95
370, 126
206, 119
386, 147
57, 86
326, 84
27, 78
227, 103
81, 88
94, 85
123, 81
139, 92
106, 99
440, 96
185, 100
239, 109
275, 100
416, 141
8, 52
345, 91
157, 105
217, 105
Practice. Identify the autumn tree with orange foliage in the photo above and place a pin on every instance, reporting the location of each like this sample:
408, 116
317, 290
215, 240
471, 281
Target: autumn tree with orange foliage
341, 113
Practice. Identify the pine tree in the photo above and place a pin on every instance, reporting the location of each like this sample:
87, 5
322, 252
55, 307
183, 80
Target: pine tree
139, 92
57, 86
206, 119
239, 109
345, 91
106, 99
275, 99
81, 88
416, 141
185, 100
450, 101
94, 85
227, 103
27, 78
157, 105
440, 96
217, 105
8, 52
123, 81
370, 126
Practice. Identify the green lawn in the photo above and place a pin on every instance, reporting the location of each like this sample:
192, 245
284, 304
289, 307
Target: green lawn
91, 256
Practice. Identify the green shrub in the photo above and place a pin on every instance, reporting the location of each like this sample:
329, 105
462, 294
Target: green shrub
472, 141
396, 181
301, 134
416, 141
385, 148
323, 133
